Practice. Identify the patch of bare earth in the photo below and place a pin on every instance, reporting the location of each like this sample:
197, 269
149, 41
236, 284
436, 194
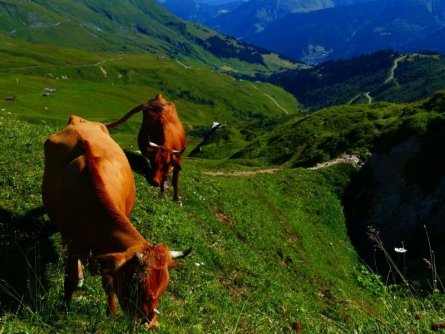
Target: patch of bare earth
223, 218
345, 158
246, 173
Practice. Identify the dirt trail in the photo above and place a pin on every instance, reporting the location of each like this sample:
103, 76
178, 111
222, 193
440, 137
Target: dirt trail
389, 78
393, 68
55, 65
345, 158
246, 173
276, 103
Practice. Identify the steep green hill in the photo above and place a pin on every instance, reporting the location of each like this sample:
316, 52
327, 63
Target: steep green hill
271, 254
104, 86
381, 76
322, 135
271, 247
144, 26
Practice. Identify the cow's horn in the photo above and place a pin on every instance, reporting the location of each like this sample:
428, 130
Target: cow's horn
139, 256
180, 254
178, 153
151, 144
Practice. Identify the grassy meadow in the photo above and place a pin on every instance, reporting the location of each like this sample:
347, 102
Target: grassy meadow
271, 253
104, 86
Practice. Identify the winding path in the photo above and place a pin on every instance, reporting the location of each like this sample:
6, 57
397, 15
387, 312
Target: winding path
393, 68
182, 64
276, 103
245, 173
389, 78
369, 97
48, 66
345, 159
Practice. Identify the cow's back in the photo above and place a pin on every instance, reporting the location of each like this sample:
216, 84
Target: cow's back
87, 178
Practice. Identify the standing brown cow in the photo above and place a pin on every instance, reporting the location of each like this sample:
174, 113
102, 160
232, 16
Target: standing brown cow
89, 192
161, 139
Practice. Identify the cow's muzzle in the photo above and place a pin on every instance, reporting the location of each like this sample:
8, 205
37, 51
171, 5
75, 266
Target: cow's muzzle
155, 182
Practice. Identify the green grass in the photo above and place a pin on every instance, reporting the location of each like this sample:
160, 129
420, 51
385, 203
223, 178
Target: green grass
104, 86
128, 26
305, 140
270, 252
416, 77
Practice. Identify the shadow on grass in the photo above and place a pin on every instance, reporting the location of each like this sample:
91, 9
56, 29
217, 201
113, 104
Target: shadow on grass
25, 252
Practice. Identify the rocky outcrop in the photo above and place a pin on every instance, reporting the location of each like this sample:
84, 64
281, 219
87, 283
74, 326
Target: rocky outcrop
401, 194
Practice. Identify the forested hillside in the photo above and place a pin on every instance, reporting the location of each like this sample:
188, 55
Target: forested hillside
382, 76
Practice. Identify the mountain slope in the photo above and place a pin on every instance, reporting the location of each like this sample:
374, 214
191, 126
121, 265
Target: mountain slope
104, 86
353, 30
286, 244
297, 140
254, 16
339, 81
381, 76
124, 26
193, 10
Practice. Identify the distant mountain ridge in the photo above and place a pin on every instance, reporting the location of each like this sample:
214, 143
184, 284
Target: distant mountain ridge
123, 25
255, 15
338, 30
194, 10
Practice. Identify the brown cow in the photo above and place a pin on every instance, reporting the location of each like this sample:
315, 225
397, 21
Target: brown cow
161, 139
89, 192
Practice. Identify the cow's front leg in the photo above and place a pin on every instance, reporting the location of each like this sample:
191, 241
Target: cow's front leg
80, 274
108, 285
162, 185
71, 277
175, 181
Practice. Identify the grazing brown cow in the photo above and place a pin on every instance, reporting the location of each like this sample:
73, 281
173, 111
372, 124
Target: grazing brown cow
161, 139
89, 192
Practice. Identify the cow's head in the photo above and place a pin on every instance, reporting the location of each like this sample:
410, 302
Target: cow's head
162, 159
140, 278
158, 108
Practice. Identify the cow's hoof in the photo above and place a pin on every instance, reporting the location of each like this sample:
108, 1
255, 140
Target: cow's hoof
153, 324
178, 200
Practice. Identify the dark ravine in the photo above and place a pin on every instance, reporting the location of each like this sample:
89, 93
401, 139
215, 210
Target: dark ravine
401, 194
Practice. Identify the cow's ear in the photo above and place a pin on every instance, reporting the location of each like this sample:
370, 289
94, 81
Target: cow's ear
111, 262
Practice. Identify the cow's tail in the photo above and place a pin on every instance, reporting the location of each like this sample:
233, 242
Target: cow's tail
126, 117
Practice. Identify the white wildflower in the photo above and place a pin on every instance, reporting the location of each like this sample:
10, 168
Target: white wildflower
400, 250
